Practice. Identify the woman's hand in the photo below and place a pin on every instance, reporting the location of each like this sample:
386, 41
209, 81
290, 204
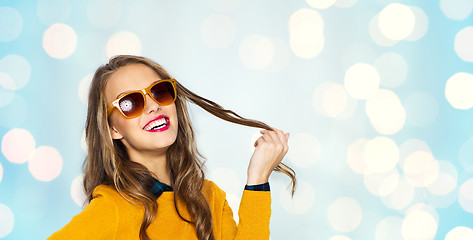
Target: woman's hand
270, 149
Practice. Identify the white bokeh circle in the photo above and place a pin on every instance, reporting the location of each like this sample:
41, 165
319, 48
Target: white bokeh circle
17, 145
392, 69
304, 149
396, 21
306, 28
59, 41
418, 224
77, 191
460, 233
381, 155
385, 111
449, 168
45, 163
410, 146
15, 71
463, 46
123, 42
345, 3
7, 220
302, 201
218, 31
440, 201
256, 51
12, 24
305, 16
6, 82
420, 206
389, 228
465, 195
443, 185
401, 197
377, 36
356, 155
334, 100
344, 214
331, 99
421, 25
361, 80
382, 184
321, 4
456, 9
443, 192
458, 90
421, 169
226, 179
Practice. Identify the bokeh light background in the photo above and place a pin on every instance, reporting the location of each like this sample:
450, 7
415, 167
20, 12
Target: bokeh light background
376, 94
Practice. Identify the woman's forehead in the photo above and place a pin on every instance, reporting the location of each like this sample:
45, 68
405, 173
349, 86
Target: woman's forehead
129, 78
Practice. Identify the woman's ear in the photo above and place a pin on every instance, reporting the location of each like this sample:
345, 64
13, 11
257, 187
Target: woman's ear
114, 133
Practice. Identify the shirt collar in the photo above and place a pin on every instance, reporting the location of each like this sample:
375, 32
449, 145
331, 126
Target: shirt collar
158, 188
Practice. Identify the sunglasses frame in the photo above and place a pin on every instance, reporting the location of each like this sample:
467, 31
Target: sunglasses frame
143, 92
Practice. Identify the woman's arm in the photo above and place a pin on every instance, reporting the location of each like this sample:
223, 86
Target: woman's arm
254, 215
255, 206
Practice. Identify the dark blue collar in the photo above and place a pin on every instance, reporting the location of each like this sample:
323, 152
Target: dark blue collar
158, 188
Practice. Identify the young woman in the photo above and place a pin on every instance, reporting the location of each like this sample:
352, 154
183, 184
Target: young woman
144, 177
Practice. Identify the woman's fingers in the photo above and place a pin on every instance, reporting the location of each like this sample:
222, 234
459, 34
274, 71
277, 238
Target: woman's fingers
265, 137
259, 141
276, 135
274, 141
282, 138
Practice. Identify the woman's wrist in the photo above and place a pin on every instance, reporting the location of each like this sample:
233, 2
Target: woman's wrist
256, 179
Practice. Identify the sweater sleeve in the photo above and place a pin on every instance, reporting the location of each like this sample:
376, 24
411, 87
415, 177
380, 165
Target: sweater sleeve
98, 220
254, 215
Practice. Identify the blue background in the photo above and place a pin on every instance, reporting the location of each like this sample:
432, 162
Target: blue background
210, 60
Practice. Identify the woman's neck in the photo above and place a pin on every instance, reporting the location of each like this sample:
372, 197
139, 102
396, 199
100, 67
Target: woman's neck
155, 162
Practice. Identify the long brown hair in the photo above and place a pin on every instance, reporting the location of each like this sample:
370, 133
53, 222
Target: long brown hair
108, 163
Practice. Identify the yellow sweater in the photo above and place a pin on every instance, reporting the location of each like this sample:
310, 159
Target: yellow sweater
110, 216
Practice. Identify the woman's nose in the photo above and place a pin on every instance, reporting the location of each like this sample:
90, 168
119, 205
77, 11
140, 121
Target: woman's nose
151, 105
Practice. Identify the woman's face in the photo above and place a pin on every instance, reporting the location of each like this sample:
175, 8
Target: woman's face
135, 133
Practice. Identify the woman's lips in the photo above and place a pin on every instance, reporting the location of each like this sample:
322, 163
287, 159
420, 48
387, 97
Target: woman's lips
157, 124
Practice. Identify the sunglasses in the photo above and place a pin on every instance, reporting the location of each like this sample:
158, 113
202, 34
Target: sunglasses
132, 104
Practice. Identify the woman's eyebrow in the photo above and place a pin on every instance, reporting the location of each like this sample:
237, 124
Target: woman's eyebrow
125, 92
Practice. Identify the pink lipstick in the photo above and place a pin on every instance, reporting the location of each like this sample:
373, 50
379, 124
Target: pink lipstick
157, 124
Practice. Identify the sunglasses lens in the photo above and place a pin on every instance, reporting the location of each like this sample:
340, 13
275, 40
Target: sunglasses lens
163, 92
132, 104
